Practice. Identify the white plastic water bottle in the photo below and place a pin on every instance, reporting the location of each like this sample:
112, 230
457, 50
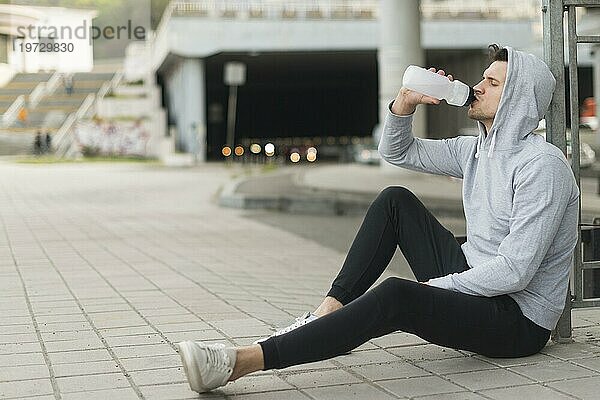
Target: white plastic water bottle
439, 86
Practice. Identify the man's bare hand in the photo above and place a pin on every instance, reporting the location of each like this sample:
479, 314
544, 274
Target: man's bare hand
407, 100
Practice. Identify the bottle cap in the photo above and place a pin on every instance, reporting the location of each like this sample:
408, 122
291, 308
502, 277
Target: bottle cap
471, 97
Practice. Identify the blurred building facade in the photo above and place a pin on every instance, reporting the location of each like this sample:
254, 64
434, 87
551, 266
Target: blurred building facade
312, 67
24, 28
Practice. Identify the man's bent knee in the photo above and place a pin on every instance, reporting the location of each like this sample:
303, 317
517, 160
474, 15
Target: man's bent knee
395, 194
398, 298
396, 199
391, 288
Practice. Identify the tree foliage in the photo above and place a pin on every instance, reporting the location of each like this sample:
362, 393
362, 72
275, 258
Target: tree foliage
110, 13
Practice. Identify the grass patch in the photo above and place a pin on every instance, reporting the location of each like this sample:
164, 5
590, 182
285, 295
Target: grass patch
58, 160
247, 170
270, 167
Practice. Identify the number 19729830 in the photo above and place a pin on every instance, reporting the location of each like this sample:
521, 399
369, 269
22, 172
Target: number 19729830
33, 47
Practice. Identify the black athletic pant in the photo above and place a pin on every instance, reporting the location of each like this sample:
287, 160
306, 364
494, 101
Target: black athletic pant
491, 326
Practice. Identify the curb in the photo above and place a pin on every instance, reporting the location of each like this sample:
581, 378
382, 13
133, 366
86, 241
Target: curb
286, 192
264, 193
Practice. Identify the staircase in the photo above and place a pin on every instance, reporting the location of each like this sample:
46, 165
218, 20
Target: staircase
50, 113
21, 84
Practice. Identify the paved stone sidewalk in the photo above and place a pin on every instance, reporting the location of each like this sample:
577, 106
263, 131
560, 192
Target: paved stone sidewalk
104, 267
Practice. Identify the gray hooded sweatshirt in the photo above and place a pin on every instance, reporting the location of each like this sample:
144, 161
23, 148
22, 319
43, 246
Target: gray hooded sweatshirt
520, 197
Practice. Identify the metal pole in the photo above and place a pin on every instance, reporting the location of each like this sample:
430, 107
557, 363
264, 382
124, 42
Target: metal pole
554, 57
231, 110
574, 103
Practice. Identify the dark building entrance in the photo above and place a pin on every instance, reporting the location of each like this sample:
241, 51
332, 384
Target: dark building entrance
327, 95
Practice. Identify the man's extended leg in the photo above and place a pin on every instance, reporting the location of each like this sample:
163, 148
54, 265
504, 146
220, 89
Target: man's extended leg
396, 218
492, 326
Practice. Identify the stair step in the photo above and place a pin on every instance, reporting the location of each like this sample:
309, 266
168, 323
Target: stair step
49, 107
32, 77
20, 85
19, 130
15, 92
95, 76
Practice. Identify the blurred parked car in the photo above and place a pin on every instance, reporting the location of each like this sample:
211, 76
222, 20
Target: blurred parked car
588, 117
365, 154
587, 155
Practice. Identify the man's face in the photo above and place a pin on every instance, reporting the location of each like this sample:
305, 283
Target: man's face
488, 93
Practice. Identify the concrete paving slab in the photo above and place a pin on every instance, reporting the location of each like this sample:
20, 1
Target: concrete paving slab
121, 394
353, 391
455, 365
526, 392
160, 376
356, 358
487, 379
318, 378
424, 352
553, 371
420, 386
283, 394
81, 356
85, 368
255, 384
583, 388
387, 371
19, 373
452, 396
83, 383
7, 360
20, 389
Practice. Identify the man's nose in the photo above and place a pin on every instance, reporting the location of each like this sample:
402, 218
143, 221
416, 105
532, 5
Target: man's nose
478, 89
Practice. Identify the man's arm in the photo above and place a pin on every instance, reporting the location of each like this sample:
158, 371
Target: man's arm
542, 191
399, 147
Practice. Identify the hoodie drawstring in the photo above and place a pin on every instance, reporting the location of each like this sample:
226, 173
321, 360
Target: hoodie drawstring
492, 144
478, 145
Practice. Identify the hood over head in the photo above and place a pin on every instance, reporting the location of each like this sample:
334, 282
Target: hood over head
525, 99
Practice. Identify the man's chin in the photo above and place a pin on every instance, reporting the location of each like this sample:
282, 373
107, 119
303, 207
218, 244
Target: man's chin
472, 115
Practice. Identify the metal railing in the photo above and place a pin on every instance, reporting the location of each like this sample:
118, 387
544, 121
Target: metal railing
61, 140
478, 9
38, 93
270, 9
349, 9
11, 113
44, 89
64, 136
554, 40
53, 83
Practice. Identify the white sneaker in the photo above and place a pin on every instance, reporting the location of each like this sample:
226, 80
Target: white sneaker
300, 321
207, 366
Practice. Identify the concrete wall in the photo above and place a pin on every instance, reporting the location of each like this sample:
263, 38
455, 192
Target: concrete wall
212, 36
130, 101
185, 98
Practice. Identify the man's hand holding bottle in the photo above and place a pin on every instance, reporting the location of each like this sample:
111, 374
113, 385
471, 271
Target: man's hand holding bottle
407, 100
